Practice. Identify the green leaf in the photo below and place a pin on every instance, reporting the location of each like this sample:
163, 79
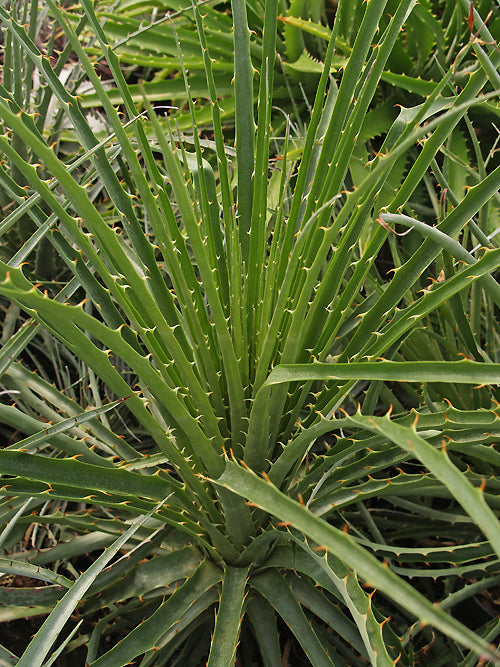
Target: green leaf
145, 635
467, 372
273, 587
41, 643
316, 601
437, 461
7, 658
316, 29
227, 622
245, 123
64, 425
8, 566
365, 634
263, 620
83, 475
306, 64
266, 496
13, 416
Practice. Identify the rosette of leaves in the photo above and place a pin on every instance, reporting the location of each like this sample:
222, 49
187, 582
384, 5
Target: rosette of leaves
200, 437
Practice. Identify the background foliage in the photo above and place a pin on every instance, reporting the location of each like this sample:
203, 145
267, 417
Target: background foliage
250, 352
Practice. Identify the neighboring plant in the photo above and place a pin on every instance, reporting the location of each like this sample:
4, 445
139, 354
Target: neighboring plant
189, 386
145, 37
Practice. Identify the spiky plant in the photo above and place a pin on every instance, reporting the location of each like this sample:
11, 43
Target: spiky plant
144, 35
224, 311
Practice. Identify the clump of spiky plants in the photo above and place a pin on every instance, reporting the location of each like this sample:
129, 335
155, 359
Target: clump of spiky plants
217, 318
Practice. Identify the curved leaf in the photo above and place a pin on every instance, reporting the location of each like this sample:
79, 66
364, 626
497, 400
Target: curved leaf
228, 619
467, 372
264, 495
41, 643
145, 635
